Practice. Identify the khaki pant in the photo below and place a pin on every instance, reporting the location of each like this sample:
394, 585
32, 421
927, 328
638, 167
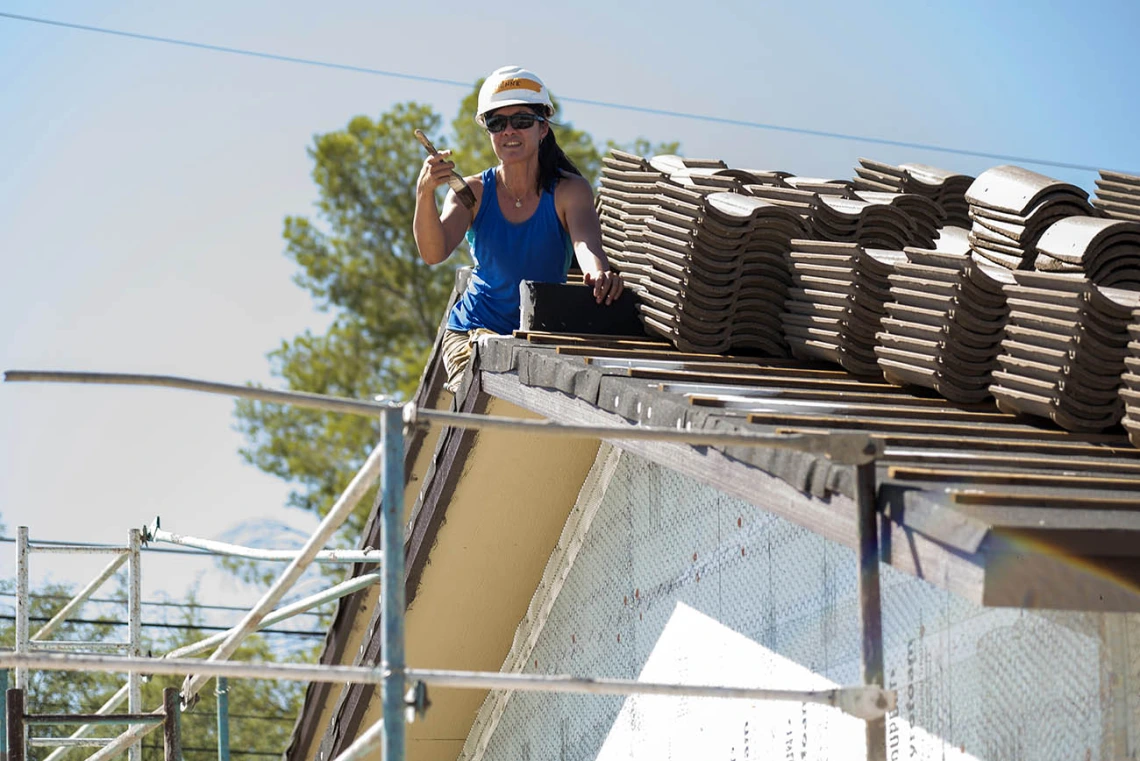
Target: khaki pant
457, 346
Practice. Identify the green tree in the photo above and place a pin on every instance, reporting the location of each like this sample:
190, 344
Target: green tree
262, 712
57, 691
359, 261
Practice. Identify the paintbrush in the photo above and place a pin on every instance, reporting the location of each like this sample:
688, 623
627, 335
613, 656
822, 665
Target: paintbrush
464, 193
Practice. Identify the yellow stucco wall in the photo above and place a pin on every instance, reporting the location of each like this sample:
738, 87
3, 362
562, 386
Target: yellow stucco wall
500, 528
359, 624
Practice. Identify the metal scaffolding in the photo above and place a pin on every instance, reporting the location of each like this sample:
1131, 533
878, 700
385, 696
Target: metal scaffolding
402, 689
169, 717
131, 555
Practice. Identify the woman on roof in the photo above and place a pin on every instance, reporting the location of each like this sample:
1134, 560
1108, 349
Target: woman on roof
532, 213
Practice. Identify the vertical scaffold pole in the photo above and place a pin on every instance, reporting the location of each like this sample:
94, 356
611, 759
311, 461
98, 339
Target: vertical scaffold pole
392, 583
134, 627
171, 724
3, 714
23, 603
14, 712
870, 602
222, 690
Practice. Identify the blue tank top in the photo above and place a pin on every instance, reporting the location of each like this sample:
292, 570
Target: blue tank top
505, 254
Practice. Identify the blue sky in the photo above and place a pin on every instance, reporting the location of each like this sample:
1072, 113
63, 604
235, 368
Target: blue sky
144, 185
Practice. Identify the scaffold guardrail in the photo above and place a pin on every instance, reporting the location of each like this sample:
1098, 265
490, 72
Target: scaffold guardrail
869, 701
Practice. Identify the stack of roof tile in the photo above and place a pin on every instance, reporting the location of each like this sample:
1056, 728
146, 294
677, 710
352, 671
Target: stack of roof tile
867, 222
1130, 382
881, 220
802, 202
1106, 251
709, 267
945, 324
820, 186
1118, 195
947, 189
836, 308
1011, 208
669, 163
926, 215
629, 185
1064, 350
713, 268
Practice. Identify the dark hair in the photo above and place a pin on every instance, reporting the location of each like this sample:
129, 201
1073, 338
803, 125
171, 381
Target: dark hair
552, 161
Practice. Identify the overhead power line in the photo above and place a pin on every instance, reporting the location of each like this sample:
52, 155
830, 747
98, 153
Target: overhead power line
155, 603
566, 99
233, 715
233, 751
156, 625
239, 51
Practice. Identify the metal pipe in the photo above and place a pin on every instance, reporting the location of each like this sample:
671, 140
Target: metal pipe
392, 586
857, 701
339, 513
23, 604
295, 398
863, 701
253, 553
3, 714
70, 644
870, 601
80, 598
75, 549
308, 603
171, 724
844, 448
222, 690
365, 744
88, 718
134, 628
332, 593
67, 742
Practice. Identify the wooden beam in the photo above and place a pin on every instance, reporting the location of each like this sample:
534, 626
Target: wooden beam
1001, 477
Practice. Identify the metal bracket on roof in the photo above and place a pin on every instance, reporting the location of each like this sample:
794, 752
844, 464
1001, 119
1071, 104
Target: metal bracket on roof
411, 416
416, 701
149, 530
853, 448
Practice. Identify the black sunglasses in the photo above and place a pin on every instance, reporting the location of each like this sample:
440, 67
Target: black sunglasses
498, 122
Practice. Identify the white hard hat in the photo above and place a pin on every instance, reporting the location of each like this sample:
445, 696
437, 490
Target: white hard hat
512, 86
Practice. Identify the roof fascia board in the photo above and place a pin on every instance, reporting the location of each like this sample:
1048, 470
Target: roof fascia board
439, 484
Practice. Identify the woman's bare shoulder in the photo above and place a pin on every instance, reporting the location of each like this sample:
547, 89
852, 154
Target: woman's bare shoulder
573, 186
572, 180
475, 182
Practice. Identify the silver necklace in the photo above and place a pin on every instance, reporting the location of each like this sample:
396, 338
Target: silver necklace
506, 187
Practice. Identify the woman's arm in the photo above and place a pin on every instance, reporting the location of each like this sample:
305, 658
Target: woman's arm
438, 233
575, 201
